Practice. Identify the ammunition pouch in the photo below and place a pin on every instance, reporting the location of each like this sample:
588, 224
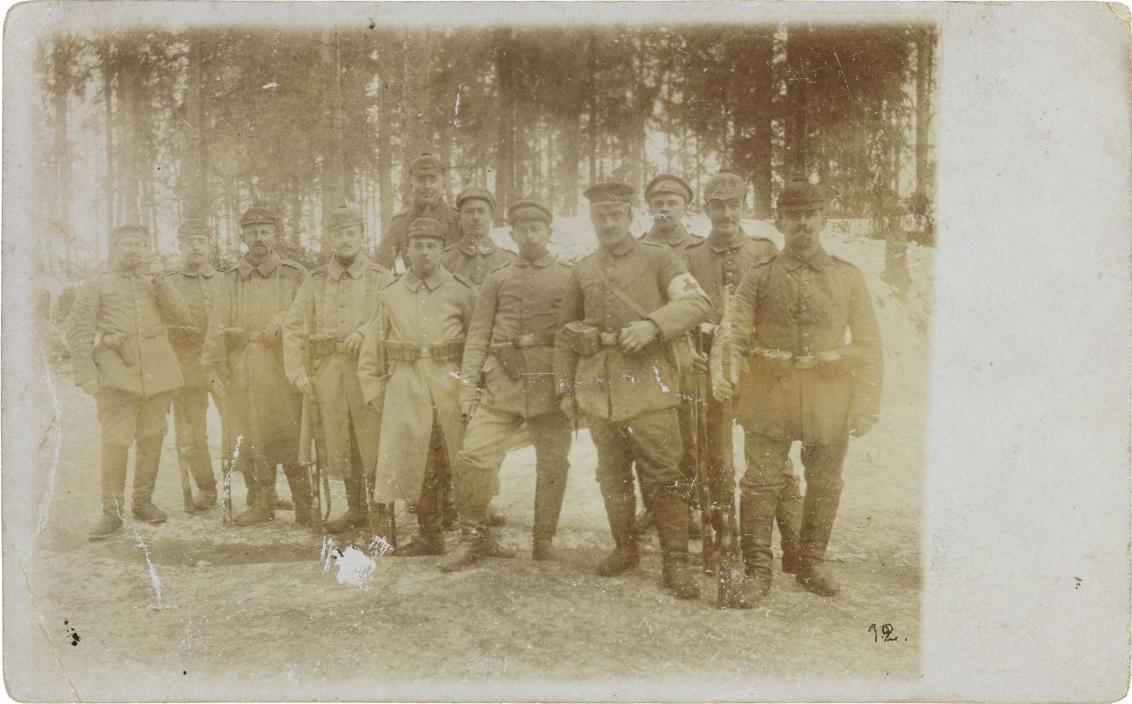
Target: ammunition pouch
323, 346
779, 363
585, 340
235, 339
510, 356
185, 334
835, 363
773, 362
409, 352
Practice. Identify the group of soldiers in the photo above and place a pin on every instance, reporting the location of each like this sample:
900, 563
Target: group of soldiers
414, 387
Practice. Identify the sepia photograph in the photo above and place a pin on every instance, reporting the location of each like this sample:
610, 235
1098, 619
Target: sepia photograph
398, 353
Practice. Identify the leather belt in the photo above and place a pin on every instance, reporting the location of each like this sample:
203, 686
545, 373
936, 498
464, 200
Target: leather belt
408, 352
532, 339
610, 339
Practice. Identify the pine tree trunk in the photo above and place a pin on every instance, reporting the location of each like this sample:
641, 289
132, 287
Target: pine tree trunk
386, 114
924, 67
505, 156
106, 59
760, 157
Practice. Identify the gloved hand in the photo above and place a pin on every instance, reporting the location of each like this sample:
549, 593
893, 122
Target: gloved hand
303, 383
569, 406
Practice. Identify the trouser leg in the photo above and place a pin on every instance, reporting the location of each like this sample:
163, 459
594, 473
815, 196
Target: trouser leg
476, 470
822, 464
551, 437
788, 516
760, 487
113, 464
190, 422
434, 489
615, 477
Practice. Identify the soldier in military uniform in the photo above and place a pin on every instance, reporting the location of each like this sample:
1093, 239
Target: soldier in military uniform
803, 382
427, 174
244, 352
409, 367
122, 357
325, 328
667, 196
623, 305
508, 378
475, 254
717, 262
196, 280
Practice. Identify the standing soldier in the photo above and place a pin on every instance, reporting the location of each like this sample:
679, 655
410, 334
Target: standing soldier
508, 380
244, 348
790, 319
123, 358
667, 196
328, 315
410, 368
721, 261
623, 305
427, 174
475, 254
196, 281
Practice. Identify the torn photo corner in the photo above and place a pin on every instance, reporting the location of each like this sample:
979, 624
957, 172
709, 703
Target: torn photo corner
566, 351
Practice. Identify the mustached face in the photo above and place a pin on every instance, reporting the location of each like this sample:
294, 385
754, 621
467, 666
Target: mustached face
725, 214
801, 228
424, 255
475, 218
531, 237
667, 209
611, 221
131, 252
426, 190
260, 239
194, 249
346, 242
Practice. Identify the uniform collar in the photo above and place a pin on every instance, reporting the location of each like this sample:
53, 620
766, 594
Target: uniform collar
819, 261
266, 268
540, 263
440, 207
678, 237
356, 269
719, 246
206, 271
480, 247
620, 249
436, 278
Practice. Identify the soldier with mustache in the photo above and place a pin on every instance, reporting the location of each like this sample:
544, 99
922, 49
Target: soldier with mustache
427, 174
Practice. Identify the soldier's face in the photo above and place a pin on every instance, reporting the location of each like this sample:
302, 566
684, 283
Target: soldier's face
611, 221
531, 237
194, 250
131, 252
346, 242
801, 228
475, 217
426, 189
259, 239
667, 209
424, 255
725, 215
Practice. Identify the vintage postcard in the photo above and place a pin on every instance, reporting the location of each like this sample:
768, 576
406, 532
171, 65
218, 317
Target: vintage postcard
566, 351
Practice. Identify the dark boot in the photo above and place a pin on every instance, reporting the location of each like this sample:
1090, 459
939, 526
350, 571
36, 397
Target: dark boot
262, 506
146, 462
671, 515
113, 466
550, 488
474, 544
356, 514
250, 485
200, 464
380, 521
620, 507
430, 531
788, 515
205, 499
495, 519
755, 529
755, 589
815, 577
299, 482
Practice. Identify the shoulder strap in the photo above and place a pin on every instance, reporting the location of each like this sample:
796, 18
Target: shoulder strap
621, 294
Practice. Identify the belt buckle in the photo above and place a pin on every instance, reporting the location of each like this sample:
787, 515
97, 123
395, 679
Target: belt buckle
805, 362
425, 351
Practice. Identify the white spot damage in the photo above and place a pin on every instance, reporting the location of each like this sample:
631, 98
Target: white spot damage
351, 566
57, 445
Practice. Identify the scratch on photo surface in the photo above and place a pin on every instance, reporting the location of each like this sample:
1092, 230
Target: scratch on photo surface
43, 626
56, 450
154, 580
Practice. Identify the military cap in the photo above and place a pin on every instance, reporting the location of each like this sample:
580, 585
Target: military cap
800, 194
193, 227
425, 164
425, 227
529, 209
725, 186
610, 192
128, 230
259, 215
475, 192
344, 216
669, 183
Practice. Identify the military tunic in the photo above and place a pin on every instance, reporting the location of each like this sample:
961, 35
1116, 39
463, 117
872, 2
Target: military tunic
333, 303
260, 404
117, 336
394, 238
190, 410
474, 261
679, 239
716, 263
430, 316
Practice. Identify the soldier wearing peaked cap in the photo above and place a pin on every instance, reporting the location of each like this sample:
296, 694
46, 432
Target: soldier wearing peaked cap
719, 263
243, 350
197, 281
667, 196
325, 326
800, 381
409, 368
508, 381
475, 254
622, 307
427, 175
123, 358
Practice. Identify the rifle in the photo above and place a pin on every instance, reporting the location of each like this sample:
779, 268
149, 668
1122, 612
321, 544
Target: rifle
226, 464
182, 461
701, 460
731, 573
313, 430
